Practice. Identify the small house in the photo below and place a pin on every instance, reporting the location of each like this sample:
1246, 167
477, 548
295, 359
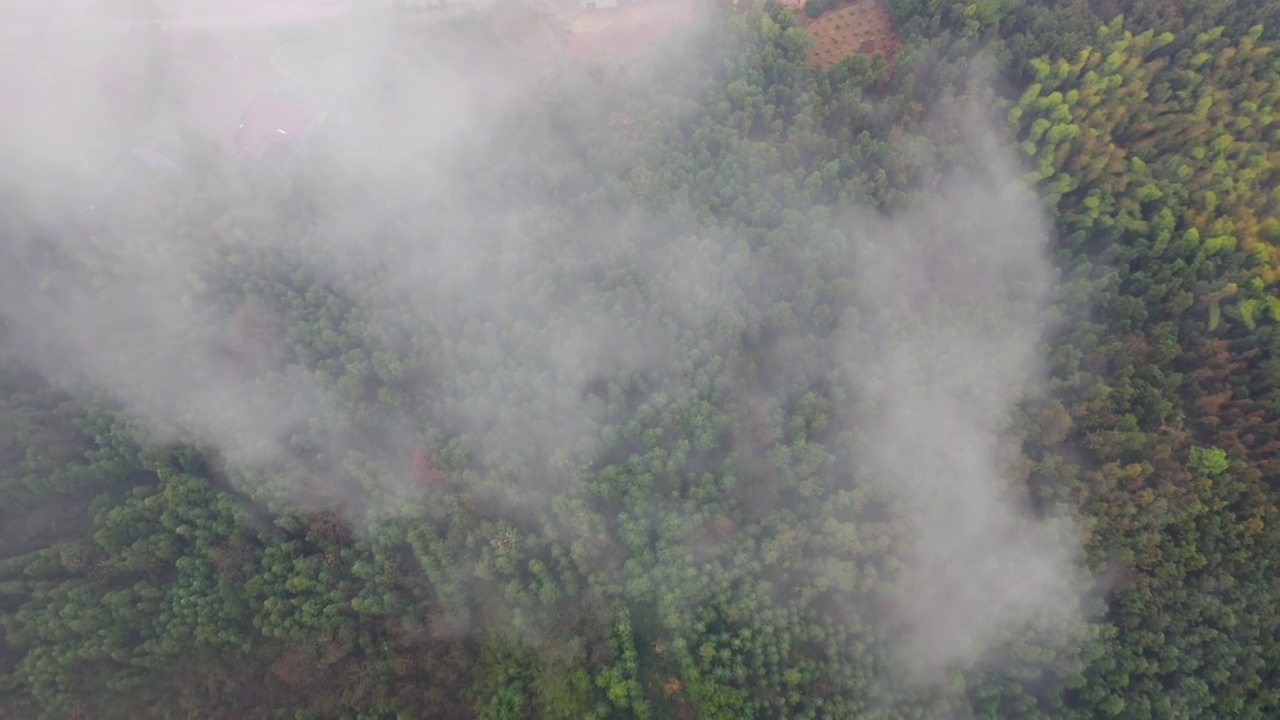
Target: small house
273, 120
299, 75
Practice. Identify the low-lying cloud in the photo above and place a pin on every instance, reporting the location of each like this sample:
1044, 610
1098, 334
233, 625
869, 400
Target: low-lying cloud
944, 342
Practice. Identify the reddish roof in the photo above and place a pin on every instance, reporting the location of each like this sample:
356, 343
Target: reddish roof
271, 119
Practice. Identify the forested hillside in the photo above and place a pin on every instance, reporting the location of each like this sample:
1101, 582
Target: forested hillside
725, 386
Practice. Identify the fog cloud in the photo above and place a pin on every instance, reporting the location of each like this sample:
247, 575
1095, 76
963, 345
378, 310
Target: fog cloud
959, 283
943, 343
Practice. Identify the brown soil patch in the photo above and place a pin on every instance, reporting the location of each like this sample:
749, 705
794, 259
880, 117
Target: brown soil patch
862, 27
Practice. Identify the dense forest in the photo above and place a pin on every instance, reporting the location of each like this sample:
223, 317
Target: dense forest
941, 385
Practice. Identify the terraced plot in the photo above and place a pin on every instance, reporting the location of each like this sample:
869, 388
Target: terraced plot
860, 28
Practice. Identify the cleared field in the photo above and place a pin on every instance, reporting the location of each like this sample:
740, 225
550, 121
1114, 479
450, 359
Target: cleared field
609, 35
860, 28
627, 33
624, 33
